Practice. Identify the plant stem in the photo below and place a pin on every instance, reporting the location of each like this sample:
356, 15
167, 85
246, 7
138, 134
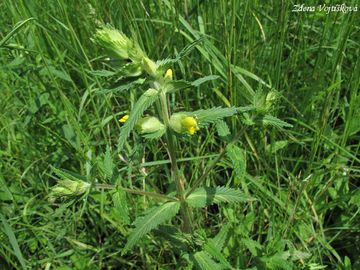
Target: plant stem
171, 145
138, 192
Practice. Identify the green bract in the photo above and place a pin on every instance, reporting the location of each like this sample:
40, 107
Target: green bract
118, 44
148, 124
67, 187
149, 66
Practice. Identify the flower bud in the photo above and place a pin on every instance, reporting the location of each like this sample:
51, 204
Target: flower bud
270, 99
68, 187
118, 44
148, 124
183, 123
149, 66
169, 74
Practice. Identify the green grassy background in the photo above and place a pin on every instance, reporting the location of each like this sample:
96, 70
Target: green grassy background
55, 111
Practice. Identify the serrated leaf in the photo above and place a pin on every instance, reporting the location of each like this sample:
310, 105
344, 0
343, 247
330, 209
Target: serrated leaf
315, 266
144, 102
270, 120
222, 128
277, 262
102, 73
204, 79
166, 63
247, 119
238, 159
120, 204
206, 117
108, 164
203, 261
253, 246
211, 248
152, 218
173, 86
178, 240
300, 255
276, 146
220, 238
244, 109
204, 196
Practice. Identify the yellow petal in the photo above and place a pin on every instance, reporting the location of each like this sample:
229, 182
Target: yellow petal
168, 74
124, 118
190, 125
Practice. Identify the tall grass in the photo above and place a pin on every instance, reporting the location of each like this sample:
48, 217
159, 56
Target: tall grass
58, 112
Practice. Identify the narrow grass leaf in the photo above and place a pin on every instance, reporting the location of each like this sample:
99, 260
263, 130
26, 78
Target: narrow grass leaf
166, 63
63, 174
122, 87
13, 241
249, 74
202, 80
61, 74
14, 31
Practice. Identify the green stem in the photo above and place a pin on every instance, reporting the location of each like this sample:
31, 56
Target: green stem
138, 192
171, 146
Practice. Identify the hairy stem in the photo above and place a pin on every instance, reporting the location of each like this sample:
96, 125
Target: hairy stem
138, 192
171, 146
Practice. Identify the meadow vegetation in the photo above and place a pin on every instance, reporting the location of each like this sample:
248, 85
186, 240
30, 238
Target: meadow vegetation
240, 151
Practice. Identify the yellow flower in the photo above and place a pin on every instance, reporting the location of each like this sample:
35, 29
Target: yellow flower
124, 118
182, 123
168, 74
189, 123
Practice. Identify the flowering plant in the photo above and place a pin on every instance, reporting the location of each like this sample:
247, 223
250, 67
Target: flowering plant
162, 122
